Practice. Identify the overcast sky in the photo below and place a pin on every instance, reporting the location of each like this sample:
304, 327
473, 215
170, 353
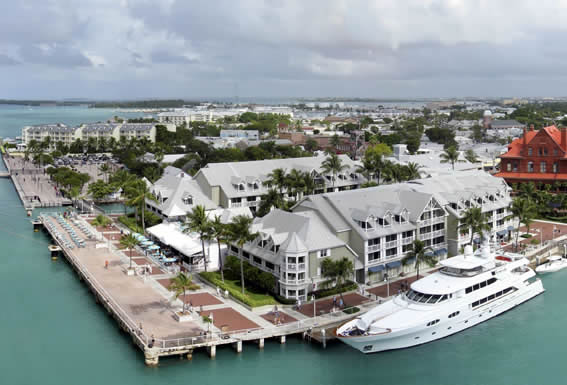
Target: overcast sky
289, 48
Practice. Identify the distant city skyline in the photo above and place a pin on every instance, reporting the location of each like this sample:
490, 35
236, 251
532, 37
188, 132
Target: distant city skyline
108, 49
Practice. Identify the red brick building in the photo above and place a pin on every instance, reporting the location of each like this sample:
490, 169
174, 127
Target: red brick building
538, 156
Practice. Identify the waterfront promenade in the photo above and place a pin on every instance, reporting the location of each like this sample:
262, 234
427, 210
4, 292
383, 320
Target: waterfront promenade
145, 309
32, 184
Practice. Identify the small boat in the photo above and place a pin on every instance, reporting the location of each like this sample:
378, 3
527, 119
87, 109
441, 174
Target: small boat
554, 263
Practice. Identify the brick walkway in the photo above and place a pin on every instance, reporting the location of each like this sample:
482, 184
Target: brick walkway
539, 231
228, 319
284, 318
382, 290
202, 299
325, 305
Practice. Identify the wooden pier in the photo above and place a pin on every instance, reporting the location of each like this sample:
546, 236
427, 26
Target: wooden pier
156, 347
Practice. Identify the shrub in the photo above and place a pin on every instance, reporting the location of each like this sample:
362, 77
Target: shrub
351, 310
130, 222
348, 286
527, 235
249, 297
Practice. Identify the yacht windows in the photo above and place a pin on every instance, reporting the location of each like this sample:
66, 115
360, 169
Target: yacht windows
454, 314
491, 297
433, 323
425, 298
479, 285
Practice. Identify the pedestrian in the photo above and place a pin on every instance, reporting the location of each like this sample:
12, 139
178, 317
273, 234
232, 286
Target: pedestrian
218, 291
106, 264
334, 301
341, 303
226, 293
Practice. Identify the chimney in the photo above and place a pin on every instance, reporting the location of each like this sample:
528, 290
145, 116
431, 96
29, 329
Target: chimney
531, 127
525, 137
563, 138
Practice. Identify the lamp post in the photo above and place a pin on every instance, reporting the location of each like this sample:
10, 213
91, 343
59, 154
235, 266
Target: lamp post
387, 279
313, 296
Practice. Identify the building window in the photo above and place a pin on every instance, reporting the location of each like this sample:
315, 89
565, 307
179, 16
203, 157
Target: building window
555, 168
188, 200
515, 166
325, 253
373, 256
392, 251
530, 166
508, 166
542, 166
530, 151
555, 152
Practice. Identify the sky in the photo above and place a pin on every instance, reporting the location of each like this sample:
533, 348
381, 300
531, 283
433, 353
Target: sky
131, 49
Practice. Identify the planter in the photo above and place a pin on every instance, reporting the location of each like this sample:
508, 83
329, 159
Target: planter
181, 317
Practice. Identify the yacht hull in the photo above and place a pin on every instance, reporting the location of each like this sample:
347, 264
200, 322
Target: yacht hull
421, 334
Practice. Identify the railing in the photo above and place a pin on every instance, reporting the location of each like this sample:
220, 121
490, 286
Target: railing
407, 240
425, 222
295, 266
437, 233
423, 236
235, 204
293, 281
500, 216
440, 219
252, 203
374, 248
218, 337
391, 244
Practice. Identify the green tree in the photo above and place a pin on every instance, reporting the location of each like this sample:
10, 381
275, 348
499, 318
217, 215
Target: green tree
270, 199
420, 253
333, 165
337, 273
180, 284
311, 144
412, 171
277, 178
239, 233
138, 192
451, 155
474, 220
198, 222
335, 142
101, 220
470, 155
129, 242
105, 170
524, 211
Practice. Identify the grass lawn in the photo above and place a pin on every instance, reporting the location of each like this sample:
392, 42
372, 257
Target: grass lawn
249, 297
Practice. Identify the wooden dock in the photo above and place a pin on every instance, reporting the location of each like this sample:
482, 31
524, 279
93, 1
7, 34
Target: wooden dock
154, 348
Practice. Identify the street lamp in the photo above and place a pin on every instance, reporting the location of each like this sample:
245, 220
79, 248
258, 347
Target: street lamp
387, 280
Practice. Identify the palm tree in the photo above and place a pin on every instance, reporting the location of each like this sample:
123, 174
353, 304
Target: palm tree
525, 211
271, 199
394, 172
198, 222
129, 242
412, 171
337, 273
470, 155
474, 220
368, 168
294, 181
219, 233
180, 284
102, 221
451, 155
277, 178
138, 192
333, 165
420, 253
309, 183
239, 233
335, 141
104, 169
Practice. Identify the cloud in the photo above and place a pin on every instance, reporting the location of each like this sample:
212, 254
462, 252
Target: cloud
6, 60
294, 47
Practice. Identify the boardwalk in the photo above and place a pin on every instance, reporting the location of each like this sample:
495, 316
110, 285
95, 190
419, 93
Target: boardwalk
147, 311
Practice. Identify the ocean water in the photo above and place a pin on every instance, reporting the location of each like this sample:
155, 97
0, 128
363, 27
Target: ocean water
14, 118
54, 333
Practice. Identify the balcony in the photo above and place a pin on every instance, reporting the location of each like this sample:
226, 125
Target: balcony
293, 281
408, 240
440, 219
423, 236
437, 233
391, 244
235, 204
425, 222
294, 266
500, 216
373, 248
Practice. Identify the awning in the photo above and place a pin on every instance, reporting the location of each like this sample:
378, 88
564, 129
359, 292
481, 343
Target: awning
441, 251
393, 265
376, 269
429, 253
501, 233
476, 240
510, 228
410, 260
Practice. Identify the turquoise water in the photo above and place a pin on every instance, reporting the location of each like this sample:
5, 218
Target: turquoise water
54, 333
14, 118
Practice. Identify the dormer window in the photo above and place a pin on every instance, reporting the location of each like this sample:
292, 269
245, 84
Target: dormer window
239, 186
188, 200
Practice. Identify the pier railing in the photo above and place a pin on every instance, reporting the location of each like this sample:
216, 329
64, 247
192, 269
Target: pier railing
219, 337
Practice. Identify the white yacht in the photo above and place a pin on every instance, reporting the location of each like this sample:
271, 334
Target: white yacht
554, 263
467, 290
